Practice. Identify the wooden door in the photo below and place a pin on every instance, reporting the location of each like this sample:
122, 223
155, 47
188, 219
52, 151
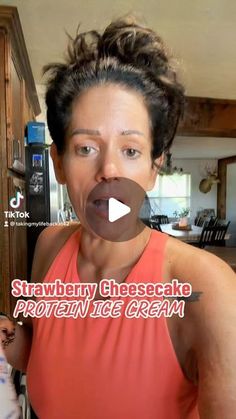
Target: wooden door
17, 235
2, 100
4, 248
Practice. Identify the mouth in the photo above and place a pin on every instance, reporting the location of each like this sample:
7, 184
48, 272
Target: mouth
101, 206
101, 203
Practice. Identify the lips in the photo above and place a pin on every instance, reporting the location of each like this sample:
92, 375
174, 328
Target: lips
101, 206
98, 199
101, 200
101, 203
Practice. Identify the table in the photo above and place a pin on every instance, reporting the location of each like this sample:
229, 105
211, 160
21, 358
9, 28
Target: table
184, 235
228, 254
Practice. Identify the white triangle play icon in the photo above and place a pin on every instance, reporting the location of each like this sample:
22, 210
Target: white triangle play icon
116, 210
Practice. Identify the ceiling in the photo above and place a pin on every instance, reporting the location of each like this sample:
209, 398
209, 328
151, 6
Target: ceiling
200, 34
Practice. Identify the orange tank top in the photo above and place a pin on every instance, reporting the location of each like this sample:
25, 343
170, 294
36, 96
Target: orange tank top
107, 368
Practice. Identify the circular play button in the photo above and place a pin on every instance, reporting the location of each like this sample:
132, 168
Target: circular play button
117, 208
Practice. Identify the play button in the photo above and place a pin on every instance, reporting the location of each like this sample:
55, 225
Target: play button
116, 209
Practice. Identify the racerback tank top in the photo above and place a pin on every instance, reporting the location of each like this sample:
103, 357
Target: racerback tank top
107, 368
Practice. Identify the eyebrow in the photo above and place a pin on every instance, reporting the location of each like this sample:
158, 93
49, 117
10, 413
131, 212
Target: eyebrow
85, 131
132, 132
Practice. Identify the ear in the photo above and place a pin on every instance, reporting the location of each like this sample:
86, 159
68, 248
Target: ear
58, 164
156, 165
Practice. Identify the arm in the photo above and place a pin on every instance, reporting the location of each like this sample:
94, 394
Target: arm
208, 328
212, 320
216, 344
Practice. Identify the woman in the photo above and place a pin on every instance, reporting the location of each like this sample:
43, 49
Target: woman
113, 108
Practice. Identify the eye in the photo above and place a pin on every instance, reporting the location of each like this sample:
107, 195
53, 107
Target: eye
132, 153
85, 150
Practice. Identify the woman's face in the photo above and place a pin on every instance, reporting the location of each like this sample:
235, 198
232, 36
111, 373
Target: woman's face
109, 137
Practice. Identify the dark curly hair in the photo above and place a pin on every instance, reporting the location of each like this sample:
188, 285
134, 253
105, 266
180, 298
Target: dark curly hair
126, 54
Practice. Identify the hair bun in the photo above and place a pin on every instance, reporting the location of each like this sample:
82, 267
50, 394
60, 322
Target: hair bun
83, 48
133, 44
128, 42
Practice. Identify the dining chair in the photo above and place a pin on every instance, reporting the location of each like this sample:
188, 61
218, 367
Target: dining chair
205, 221
156, 226
147, 222
213, 235
212, 221
199, 221
161, 219
221, 222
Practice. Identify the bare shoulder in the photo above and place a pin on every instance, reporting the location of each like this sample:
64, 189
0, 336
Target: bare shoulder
199, 267
209, 275
49, 243
210, 324
213, 286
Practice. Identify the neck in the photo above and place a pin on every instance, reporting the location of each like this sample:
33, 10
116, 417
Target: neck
105, 255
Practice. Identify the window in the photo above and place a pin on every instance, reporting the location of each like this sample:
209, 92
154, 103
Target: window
170, 193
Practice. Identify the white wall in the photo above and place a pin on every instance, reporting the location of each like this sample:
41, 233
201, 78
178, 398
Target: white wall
42, 117
196, 167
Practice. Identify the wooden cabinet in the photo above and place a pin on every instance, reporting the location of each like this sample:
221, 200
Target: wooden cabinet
15, 131
18, 104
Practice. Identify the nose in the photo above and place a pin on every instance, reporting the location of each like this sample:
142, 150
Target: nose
108, 167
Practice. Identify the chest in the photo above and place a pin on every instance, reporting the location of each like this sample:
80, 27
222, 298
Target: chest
108, 365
